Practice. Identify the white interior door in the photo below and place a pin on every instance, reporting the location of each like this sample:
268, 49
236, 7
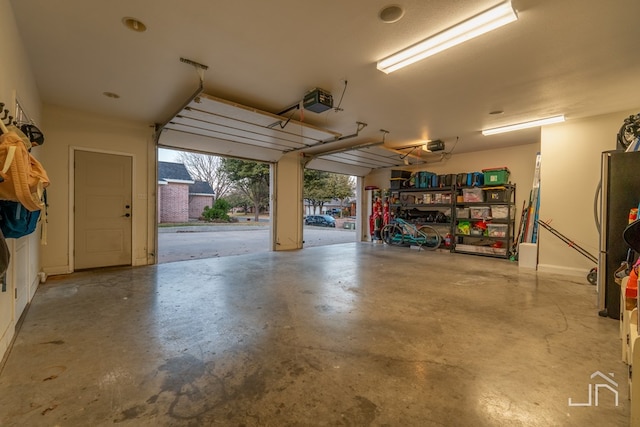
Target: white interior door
102, 210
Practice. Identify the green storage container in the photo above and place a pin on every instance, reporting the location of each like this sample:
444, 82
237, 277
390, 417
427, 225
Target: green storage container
496, 176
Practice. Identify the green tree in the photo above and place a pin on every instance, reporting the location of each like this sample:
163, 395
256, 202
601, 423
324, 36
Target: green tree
314, 190
237, 199
250, 178
340, 187
322, 187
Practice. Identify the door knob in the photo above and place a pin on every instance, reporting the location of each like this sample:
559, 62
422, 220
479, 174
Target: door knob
127, 215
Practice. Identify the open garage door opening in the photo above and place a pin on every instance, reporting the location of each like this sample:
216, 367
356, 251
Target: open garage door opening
211, 206
329, 207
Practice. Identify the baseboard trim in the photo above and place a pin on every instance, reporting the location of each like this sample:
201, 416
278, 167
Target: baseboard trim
558, 269
56, 271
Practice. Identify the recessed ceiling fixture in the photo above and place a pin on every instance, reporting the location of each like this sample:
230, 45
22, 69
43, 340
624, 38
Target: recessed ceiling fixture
134, 25
496, 112
391, 14
525, 125
482, 23
111, 95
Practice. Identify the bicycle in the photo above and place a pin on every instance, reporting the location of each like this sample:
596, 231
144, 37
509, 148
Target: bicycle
629, 131
402, 233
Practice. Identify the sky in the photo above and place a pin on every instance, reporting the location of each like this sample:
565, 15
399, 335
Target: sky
165, 155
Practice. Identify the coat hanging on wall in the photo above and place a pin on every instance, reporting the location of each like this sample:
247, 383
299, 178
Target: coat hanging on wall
23, 180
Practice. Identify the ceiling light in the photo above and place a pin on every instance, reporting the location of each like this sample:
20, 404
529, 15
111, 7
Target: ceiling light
482, 23
525, 125
391, 14
134, 25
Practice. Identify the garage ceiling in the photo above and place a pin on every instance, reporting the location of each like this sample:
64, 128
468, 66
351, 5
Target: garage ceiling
572, 57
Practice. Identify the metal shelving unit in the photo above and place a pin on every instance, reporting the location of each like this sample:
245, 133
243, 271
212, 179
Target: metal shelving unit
495, 242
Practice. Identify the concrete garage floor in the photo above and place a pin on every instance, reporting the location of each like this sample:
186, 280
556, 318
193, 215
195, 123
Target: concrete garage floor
355, 334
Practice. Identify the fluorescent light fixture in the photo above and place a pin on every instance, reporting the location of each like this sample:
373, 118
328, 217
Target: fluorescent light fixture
484, 22
525, 125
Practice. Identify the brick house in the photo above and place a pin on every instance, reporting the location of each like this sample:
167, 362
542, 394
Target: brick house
179, 196
200, 195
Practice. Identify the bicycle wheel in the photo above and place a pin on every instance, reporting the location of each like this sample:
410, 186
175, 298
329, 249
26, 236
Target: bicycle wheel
428, 237
628, 131
391, 234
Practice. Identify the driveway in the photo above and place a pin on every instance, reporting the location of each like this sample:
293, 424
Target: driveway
185, 243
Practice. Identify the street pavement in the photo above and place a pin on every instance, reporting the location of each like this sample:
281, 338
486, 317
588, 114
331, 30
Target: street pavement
197, 242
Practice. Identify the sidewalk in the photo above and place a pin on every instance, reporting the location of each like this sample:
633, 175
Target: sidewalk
199, 228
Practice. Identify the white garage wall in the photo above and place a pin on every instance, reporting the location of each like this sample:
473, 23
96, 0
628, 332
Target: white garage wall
16, 76
570, 174
17, 80
67, 128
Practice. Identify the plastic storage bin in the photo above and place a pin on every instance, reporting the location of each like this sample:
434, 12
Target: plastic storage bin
480, 212
472, 195
501, 212
498, 194
424, 179
462, 212
497, 230
399, 179
496, 176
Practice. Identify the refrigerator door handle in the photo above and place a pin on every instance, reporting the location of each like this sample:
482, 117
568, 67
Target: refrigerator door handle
596, 205
602, 252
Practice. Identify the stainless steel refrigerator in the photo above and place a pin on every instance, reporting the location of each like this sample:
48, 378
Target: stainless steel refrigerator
620, 180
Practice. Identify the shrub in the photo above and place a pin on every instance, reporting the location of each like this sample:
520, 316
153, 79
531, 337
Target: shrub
217, 212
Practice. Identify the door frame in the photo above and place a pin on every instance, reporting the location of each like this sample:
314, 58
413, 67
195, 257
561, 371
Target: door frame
72, 195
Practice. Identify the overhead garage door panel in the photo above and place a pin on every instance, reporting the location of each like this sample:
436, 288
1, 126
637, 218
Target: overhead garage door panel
337, 167
371, 157
205, 144
246, 139
243, 114
228, 129
212, 125
238, 131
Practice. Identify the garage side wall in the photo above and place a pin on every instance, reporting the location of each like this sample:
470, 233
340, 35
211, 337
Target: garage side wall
569, 175
66, 129
17, 80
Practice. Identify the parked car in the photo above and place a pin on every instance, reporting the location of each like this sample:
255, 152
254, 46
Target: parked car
320, 220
